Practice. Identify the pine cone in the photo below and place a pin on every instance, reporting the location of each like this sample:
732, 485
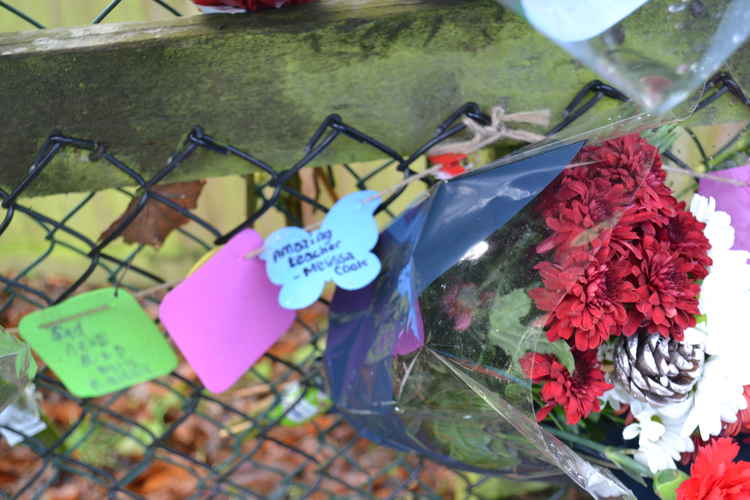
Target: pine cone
656, 369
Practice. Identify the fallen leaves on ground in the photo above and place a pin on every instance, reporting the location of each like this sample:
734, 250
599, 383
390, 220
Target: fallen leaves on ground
165, 481
157, 220
344, 464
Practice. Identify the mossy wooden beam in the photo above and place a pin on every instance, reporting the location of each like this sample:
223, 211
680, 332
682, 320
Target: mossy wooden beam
739, 67
263, 83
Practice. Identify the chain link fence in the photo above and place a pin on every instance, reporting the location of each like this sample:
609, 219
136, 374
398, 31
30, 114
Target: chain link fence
233, 445
108, 8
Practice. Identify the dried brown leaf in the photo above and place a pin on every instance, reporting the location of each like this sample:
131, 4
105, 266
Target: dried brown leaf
64, 412
15, 463
166, 478
154, 223
12, 314
69, 491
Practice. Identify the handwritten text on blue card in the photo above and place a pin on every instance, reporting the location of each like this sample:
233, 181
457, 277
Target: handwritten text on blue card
340, 251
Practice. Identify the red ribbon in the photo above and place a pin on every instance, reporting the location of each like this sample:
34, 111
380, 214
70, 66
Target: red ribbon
452, 163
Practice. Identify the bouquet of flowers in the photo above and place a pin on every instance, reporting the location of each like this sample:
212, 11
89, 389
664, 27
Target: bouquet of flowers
563, 310
654, 321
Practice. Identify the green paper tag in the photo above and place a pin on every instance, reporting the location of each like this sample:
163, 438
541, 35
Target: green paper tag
99, 342
313, 403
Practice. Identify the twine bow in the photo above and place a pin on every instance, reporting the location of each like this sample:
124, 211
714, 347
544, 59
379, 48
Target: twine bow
485, 135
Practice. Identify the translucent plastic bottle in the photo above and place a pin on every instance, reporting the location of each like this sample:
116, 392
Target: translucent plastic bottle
656, 51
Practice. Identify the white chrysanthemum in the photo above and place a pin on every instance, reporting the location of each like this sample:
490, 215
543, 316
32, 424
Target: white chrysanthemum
648, 430
719, 230
660, 442
615, 398
718, 397
659, 430
728, 280
724, 301
724, 297
725, 292
664, 433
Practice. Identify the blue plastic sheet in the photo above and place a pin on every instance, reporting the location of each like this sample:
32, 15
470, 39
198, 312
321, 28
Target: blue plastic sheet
405, 364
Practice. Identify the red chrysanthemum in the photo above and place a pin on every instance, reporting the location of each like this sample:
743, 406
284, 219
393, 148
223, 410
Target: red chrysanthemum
628, 160
636, 222
623, 252
654, 192
578, 393
668, 297
249, 4
686, 236
592, 308
715, 476
624, 162
584, 220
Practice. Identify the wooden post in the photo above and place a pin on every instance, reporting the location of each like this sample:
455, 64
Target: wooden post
392, 68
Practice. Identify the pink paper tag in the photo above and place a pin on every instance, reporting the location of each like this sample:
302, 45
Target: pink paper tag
226, 314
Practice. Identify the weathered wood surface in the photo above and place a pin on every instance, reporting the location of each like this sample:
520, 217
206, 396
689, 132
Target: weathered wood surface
392, 68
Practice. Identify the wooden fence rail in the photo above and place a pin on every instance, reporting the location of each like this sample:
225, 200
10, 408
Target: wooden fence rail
392, 68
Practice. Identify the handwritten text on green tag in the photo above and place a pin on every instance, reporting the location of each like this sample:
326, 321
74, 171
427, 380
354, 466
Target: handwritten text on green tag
99, 342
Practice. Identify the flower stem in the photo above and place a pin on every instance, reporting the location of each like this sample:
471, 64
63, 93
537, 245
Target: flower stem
575, 438
622, 454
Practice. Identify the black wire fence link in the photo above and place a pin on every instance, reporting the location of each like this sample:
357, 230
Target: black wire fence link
61, 457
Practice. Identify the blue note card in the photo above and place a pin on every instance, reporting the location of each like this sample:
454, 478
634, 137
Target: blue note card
302, 262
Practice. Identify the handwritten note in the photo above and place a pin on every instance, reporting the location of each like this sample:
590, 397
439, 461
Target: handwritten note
302, 262
99, 342
224, 316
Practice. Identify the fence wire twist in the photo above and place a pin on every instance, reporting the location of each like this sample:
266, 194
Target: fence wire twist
247, 458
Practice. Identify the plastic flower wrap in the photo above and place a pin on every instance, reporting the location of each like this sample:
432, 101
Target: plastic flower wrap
554, 313
656, 51
17, 368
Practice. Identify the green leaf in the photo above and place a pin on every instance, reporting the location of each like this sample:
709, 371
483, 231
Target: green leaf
633, 469
663, 138
518, 394
508, 331
666, 483
505, 318
561, 349
469, 442
497, 488
474, 441
94, 443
